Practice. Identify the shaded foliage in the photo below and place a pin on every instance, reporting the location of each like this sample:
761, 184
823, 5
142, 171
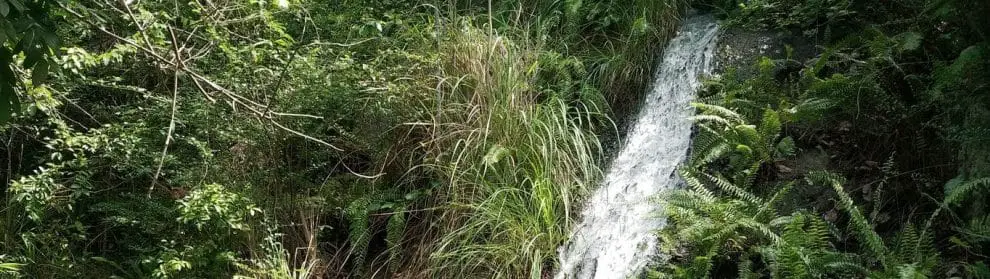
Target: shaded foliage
876, 170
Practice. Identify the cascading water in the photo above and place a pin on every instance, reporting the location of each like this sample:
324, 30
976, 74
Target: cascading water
616, 237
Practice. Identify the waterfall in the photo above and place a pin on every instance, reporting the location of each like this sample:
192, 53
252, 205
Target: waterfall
616, 237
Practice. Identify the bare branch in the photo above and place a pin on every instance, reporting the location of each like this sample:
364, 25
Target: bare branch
259, 110
171, 122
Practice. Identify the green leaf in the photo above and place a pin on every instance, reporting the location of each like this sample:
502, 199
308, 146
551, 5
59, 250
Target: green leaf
786, 147
8, 98
959, 242
909, 41
17, 5
48, 37
6, 31
749, 134
495, 154
10, 266
40, 73
955, 194
3, 31
820, 62
32, 54
6, 107
25, 43
744, 150
770, 125
951, 185
979, 270
4, 8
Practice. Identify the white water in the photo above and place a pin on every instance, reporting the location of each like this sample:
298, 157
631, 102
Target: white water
616, 237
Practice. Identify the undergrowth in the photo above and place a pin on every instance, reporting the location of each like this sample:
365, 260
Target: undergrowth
851, 163
309, 139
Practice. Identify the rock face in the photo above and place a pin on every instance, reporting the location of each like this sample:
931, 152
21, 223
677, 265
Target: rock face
740, 49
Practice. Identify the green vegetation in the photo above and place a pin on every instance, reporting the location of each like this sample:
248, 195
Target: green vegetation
866, 159
307, 139
457, 139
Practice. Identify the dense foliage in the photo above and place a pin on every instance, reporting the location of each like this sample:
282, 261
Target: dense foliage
457, 139
865, 159
305, 139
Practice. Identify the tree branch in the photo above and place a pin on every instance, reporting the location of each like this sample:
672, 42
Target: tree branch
259, 110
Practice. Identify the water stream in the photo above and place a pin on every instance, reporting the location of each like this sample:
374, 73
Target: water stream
616, 237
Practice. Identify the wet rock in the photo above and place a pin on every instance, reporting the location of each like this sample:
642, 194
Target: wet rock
740, 49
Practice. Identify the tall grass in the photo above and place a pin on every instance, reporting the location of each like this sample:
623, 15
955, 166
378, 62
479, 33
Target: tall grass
623, 63
516, 157
514, 163
619, 41
273, 261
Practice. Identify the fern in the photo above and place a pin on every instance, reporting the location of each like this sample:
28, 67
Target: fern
395, 229
917, 249
728, 187
805, 251
770, 125
785, 148
858, 223
725, 115
910, 271
978, 230
708, 146
746, 268
698, 188
956, 195
360, 231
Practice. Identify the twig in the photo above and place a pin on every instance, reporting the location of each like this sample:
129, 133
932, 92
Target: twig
407, 211
256, 108
144, 35
296, 115
175, 106
379, 174
287, 129
344, 44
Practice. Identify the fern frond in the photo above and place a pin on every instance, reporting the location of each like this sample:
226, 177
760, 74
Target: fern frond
785, 148
818, 232
905, 248
770, 125
721, 234
747, 134
780, 221
746, 268
910, 271
858, 222
709, 109
710, 118
961, 192
810, 108
709, 155
360, 234
761, 228
978, 229
727, 186
395, 229
769, 206
846, 265
696, 185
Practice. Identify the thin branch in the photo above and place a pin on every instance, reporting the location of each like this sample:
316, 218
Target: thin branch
287, 129
175, 106
296, 115
343, 44
144, 35
235, 99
